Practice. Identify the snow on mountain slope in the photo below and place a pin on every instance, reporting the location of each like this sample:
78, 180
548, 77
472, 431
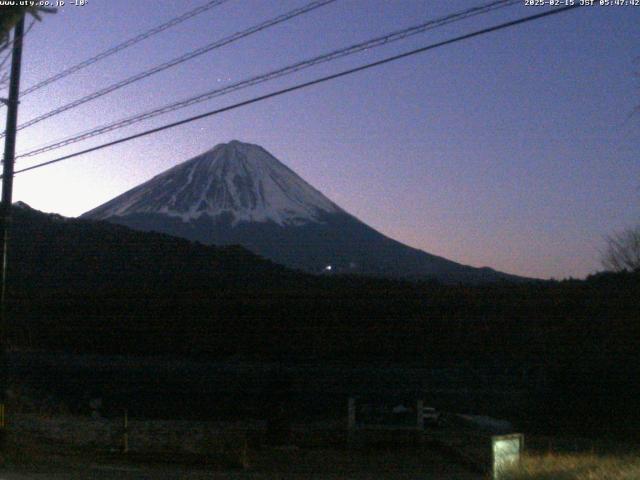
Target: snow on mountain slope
236, 178
238, 193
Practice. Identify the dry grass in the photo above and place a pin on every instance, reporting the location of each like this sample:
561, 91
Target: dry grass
577, 466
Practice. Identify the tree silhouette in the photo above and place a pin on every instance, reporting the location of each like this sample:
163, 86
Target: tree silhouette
623, 251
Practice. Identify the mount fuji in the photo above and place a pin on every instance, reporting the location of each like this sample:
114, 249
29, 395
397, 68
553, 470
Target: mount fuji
238, 193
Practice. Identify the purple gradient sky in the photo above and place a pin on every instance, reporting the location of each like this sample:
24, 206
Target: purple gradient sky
514, 150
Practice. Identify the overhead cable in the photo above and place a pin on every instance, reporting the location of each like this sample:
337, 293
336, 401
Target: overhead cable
126, 44
176, 61
333, 55
300, 86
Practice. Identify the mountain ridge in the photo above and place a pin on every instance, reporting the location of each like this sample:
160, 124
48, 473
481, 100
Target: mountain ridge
238, 193
242, 179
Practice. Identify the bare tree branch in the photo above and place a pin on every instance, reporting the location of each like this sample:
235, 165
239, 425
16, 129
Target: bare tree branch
622, 251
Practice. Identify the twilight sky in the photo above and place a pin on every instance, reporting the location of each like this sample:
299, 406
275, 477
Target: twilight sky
515, 150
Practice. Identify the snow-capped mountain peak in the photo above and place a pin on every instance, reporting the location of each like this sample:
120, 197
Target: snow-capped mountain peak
239, 194
237, 179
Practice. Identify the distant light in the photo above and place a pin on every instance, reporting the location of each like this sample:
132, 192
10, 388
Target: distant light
328, 268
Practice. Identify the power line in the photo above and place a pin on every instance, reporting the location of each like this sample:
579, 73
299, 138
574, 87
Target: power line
300, 86
342, 52
177, 61
126, 44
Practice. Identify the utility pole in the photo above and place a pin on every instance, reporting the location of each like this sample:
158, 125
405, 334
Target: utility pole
5, 209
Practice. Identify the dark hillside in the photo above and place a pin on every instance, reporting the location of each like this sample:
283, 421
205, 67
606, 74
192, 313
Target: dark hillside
93, 287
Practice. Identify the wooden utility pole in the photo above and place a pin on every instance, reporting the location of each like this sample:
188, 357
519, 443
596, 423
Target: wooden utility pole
5, 208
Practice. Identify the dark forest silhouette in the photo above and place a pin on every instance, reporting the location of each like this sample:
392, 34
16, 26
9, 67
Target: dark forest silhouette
81, 286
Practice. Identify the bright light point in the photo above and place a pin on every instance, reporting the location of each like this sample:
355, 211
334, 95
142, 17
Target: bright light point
328, 268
